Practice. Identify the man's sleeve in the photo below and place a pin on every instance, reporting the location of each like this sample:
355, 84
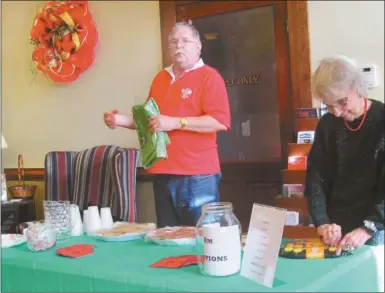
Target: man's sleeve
215, 100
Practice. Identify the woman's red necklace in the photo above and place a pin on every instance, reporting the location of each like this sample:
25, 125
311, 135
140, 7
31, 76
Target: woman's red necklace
363, 118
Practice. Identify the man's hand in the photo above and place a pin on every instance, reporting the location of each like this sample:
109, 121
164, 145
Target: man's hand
113, 119
331, 233
354, 239
163, 123
109, 118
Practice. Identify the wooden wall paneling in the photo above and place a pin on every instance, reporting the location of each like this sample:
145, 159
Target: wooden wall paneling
306, 124
207, 8
243, 191
300, 232
283, 70
293, 176
291, 203
227, 190
38, 174
266, 172
167, 21
180, 2
295, 204
302, 149
298, 29
244, 194
30, 174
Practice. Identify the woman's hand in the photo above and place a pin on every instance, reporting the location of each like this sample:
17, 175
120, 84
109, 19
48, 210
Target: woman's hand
109, 118
353, 240
331, 233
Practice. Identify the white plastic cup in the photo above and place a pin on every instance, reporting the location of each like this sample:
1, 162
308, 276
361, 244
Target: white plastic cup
76, 221
94, 223
106, 218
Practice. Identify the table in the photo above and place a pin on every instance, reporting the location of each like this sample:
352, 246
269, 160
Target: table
124, 267
15, 212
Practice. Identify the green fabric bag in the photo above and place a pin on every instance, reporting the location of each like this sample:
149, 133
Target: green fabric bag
153, 146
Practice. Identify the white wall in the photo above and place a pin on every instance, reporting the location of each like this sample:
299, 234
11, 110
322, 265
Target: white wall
40, 117
351, 28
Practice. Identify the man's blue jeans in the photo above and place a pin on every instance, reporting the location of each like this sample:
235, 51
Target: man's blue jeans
179, 198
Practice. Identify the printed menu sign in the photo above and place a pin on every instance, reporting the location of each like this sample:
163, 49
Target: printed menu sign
262, 244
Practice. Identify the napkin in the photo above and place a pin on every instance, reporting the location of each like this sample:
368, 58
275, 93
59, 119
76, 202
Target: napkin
76, 251
153, 146
176, 262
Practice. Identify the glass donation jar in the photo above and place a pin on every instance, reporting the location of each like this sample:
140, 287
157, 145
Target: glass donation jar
218, 244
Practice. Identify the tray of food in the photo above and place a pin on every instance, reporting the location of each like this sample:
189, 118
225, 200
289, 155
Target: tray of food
172, 236
122, 231
309, 249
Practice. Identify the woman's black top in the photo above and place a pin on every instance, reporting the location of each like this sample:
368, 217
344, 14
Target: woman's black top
346, 172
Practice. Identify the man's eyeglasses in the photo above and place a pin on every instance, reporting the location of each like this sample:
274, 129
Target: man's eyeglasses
175, 42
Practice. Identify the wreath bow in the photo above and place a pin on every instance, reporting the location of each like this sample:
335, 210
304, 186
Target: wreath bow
64, 36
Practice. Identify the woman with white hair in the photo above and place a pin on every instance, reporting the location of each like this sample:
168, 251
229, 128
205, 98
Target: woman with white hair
346, 170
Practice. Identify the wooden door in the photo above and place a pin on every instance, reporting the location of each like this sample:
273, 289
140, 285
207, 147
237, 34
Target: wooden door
248, 43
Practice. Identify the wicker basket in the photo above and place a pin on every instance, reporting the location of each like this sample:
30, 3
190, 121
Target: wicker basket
21, 190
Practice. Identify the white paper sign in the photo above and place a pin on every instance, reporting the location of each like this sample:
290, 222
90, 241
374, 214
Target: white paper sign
305, 137
262, 244
222, 250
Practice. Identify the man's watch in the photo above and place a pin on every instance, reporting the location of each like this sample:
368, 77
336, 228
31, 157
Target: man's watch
183, 122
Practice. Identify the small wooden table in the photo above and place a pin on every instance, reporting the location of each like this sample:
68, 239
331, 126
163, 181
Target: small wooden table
15, 212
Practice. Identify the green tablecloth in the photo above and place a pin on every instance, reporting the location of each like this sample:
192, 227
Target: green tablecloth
125, 267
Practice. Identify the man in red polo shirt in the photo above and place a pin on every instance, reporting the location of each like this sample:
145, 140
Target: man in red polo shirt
194, 106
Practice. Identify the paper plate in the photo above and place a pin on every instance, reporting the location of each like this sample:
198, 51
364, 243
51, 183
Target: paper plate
125, 236
10, 240
174, 242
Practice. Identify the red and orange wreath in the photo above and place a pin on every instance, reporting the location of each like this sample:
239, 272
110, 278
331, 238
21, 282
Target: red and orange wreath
65, 36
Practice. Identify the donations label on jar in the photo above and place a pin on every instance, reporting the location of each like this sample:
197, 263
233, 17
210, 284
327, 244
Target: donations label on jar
222, 250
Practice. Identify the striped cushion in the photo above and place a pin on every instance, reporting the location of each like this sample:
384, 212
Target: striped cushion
92, 177
58, 175
125, 165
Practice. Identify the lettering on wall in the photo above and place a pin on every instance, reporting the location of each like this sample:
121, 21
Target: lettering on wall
243, 80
